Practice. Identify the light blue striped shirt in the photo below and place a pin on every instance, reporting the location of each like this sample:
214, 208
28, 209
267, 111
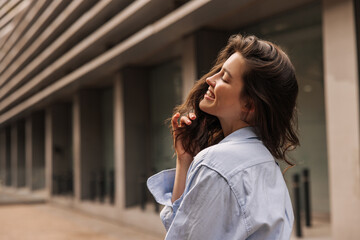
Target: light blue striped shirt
234, 190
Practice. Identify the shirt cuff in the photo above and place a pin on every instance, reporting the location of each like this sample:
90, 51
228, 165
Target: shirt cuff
161, 186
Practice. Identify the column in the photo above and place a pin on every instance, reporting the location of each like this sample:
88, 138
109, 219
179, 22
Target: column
189, 73
48, 151
119, 142
342, 116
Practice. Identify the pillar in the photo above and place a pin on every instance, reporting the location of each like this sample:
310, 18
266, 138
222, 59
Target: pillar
342, 116
189, 73
119, 142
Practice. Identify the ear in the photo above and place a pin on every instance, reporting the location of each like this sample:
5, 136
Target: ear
248, 111
249, 106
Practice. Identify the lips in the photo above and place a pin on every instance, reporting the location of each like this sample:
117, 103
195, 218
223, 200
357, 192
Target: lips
210, 95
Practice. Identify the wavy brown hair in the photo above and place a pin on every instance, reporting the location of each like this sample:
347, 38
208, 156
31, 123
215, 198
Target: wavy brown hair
269, 83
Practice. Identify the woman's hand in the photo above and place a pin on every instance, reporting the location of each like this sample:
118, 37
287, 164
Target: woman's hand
182, 155
184, 158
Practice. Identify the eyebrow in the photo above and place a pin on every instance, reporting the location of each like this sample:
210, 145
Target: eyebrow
227, 71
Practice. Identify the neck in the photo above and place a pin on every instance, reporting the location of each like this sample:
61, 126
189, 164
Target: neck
230, 127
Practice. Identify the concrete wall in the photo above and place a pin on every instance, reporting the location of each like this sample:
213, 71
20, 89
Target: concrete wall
342, 116
189, 68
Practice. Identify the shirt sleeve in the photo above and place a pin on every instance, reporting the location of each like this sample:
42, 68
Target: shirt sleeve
208, 210
161, 187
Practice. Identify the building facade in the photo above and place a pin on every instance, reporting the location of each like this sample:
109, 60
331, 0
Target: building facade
86, 88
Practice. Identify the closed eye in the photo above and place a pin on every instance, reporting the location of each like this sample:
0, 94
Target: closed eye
225, 81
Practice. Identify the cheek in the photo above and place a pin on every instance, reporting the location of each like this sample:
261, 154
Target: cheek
228, 96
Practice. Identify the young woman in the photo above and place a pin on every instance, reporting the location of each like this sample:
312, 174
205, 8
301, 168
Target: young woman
237, 120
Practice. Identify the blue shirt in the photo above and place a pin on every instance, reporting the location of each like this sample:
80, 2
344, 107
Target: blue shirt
234, 190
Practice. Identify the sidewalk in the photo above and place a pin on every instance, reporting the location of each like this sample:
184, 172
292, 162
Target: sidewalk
10, 196
47, 222
21, 219
320, 230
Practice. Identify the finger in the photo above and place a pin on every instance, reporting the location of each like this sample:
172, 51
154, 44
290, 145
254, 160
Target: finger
184, 120
192, 116
174, 121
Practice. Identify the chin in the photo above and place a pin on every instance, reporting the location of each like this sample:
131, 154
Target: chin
205, 108
201, 106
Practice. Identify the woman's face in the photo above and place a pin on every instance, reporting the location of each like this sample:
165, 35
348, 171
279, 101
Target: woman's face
223, 96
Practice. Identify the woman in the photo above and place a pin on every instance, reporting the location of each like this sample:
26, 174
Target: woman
227, 184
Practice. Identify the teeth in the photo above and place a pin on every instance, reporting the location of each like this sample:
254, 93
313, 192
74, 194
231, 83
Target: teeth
210, 94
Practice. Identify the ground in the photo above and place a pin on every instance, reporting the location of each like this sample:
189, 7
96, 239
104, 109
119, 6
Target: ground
47, 222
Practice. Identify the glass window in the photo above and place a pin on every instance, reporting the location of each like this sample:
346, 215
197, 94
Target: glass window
165, 94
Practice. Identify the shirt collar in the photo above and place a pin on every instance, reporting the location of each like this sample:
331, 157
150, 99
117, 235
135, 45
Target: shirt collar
241, 135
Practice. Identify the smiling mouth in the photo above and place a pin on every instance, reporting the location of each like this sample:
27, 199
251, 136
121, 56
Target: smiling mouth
209, 95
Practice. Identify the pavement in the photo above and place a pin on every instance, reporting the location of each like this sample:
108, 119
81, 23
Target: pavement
21, 196
25, 216
29, 217
320, 230
48, 222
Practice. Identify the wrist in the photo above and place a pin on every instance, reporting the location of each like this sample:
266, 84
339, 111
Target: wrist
184, 161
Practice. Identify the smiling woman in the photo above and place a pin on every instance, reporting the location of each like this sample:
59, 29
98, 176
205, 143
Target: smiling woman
237, 121
223, 98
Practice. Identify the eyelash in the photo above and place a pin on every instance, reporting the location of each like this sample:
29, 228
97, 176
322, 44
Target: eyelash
223, 79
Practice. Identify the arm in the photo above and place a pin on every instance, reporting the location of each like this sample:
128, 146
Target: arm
209, 210
180, 178
168, 186
184, 159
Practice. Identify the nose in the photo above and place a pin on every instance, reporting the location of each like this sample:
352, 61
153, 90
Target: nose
210, 81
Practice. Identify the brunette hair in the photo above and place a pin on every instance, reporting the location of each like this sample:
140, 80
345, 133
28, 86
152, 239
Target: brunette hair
270, 85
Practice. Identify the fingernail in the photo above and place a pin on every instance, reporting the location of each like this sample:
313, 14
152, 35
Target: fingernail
188, 121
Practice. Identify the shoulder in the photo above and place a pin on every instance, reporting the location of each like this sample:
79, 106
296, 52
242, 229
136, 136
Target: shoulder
230, 158
208, 186
244, 166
